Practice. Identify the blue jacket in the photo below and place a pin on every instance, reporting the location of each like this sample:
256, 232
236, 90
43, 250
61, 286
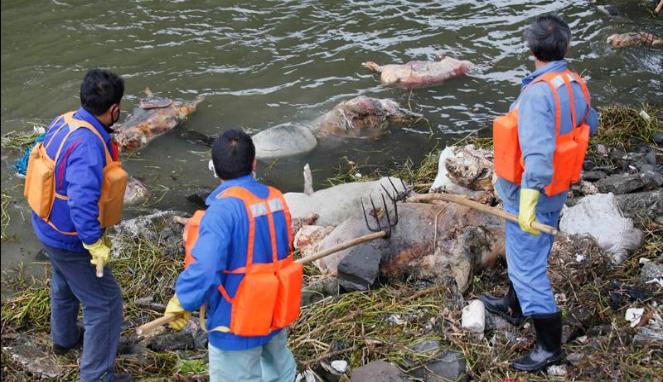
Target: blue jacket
536, 134
78, 175
221, 245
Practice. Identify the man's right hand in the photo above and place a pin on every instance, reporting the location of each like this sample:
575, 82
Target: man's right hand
174, 307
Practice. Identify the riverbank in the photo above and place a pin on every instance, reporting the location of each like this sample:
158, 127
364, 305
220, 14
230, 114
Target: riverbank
414, 325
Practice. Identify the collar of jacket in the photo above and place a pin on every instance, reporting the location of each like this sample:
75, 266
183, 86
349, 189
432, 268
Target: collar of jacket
86, 116
241, 181
552, 66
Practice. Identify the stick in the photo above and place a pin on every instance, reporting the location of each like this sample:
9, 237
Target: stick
342, 246
100, 269
659, 7
148, 327
308, 180
480, 207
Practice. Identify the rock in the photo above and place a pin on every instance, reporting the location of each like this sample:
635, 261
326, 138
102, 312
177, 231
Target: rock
136, 192
557, 371
602, 150
158, 228
621, 183
378, 371
306, 376
647, 337
649, 204
651, 272
575, 358
593, 176
335, 204
32, 358
359, 269
495, 322
430, 242
182, 340
474, 317
270, 143
450, 366
479, 166
599, 216
428, 346
658, 138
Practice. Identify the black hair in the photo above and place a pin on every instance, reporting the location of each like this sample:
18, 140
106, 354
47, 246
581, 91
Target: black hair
548, 38
101, 89
233, 154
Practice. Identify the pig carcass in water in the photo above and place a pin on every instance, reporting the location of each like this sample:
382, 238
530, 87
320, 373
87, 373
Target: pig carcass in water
626, 40
153, 117
416, 74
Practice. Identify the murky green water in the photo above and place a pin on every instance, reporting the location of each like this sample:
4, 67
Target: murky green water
264, 63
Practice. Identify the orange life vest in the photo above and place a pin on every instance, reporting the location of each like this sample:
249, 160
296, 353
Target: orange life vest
40, 182
269, 295
570, 148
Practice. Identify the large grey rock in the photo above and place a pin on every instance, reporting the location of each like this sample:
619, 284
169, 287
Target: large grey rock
648, 204
648, 179
359, 269
335, 204
593, 176
159, 228
378, 371
658, 137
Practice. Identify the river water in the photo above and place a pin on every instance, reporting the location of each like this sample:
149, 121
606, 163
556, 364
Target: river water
265, 63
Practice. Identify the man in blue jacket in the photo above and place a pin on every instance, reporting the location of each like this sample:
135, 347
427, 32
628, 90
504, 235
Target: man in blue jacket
527, 250
73, 237
221, 250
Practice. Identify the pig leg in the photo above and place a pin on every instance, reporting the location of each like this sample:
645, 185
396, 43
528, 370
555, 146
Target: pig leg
372, 66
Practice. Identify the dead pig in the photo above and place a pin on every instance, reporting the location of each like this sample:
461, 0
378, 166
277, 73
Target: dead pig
626, 40
416, 74
153, 117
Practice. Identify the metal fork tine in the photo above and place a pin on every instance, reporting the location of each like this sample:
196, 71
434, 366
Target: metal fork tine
375, 213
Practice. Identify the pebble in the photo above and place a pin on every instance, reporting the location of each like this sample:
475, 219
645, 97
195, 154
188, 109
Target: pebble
557, 371
340, 365
474, 317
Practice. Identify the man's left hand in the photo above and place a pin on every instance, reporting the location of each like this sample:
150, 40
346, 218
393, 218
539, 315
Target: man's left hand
529, 197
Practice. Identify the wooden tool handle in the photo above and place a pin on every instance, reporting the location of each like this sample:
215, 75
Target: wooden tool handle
100, 269
342, 246
479, 207
150, 326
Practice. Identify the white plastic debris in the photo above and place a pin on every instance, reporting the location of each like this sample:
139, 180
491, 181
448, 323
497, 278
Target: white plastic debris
306, 376
580, 258
396, 320
599, 216
474, 317
633, 315
340, 365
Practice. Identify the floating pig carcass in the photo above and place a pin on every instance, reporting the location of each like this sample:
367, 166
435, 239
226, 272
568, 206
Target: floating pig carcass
153, 117
626, 40
416, 74
359, 117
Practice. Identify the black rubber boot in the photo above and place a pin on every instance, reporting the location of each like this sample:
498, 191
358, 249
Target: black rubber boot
548, 349
506, 307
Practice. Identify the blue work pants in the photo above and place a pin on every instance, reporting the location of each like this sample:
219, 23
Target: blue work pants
527, 262
73, 283
272, 362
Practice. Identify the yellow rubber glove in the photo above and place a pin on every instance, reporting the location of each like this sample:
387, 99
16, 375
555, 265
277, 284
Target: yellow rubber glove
174, 307
100, 252
527, 213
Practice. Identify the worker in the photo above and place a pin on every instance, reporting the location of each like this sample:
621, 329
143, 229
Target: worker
246, 225
72, 205
539, 149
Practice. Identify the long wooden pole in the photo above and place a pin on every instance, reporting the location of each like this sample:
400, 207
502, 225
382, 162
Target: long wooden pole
459, 199
150, 326
659, 7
